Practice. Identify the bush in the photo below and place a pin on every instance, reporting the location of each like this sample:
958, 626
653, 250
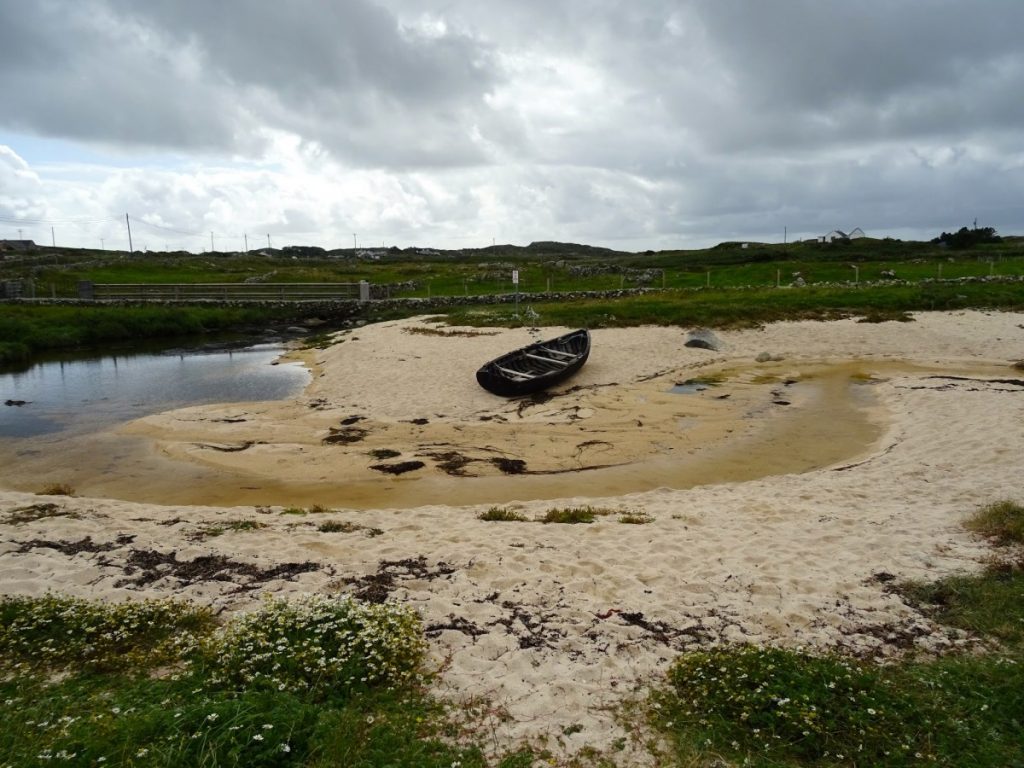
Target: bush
501, 514
319, 645
574, 515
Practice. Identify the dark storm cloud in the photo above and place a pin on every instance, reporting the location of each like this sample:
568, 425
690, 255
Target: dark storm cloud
209, 75
825, 71
71, 70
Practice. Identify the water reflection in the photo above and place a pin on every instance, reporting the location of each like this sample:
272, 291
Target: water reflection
75, 395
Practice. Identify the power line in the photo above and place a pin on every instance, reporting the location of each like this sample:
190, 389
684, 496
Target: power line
9, 220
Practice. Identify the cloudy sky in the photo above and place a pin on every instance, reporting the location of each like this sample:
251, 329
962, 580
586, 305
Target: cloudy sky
632, 124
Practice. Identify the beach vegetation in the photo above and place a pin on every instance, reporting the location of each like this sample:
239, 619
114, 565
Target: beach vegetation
1002, 521
56, 489
316, 681
313, 509
767, 706
321, 341
502, 515
573, 515
635, 518
345, 526
219, 528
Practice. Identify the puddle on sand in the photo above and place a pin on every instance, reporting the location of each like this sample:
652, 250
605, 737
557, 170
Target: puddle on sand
785, 419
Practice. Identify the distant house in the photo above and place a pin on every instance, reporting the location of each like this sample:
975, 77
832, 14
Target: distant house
838, 234
370, 255
17, 245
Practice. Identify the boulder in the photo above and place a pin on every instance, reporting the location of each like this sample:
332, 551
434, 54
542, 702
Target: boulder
702, 338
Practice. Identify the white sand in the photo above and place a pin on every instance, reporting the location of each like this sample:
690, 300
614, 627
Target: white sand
554, 624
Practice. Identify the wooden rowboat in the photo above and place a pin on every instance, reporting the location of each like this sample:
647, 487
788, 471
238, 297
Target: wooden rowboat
537, 366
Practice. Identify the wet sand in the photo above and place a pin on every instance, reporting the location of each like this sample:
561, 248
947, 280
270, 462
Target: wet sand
614, 438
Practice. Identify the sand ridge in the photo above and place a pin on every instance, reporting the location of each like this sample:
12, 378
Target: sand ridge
555, 623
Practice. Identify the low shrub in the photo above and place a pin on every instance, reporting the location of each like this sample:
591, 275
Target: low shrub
319, 645
573, 515
501, 514
56, 489
1002, 521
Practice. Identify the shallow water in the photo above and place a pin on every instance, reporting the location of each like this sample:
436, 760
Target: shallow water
80, 395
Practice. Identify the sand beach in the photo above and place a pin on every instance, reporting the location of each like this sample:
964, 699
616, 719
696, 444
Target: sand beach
802, 468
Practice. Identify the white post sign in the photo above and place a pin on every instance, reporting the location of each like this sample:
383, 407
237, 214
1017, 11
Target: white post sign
515, 277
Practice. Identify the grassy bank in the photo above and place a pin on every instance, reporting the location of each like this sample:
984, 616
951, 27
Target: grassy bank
27, 330
316, 682
750, 307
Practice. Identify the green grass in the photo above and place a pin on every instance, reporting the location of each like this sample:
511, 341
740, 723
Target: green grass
1002, 521
574, 515
635, 518
316, 682
776, 707
745, 308
501, 514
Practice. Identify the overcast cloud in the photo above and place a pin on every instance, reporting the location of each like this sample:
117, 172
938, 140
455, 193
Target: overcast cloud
634, 125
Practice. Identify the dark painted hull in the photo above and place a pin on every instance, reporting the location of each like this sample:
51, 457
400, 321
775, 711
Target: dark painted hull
537, 366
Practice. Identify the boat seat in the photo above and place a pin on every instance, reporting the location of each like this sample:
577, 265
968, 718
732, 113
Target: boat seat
516, 375
558, 352
559, 363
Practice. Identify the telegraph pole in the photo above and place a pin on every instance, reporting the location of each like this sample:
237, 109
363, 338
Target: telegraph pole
354, 246
246, 236
211, 242
53, 237
129, 223
268, 241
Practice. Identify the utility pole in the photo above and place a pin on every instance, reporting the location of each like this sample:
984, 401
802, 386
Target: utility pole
785, 235
211, 242
53, 237
103, 244
20, 235
354, 246
268, 241
246, 236
129, 223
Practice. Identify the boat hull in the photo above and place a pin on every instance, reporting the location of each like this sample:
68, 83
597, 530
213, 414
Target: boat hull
535, 367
